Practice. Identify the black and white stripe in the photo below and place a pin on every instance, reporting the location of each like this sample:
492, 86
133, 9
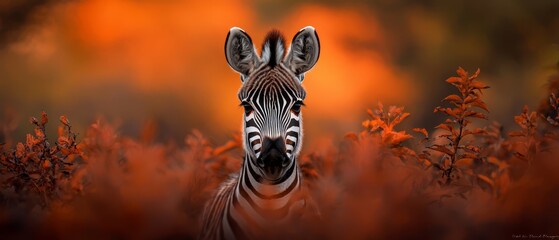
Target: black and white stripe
248, 205
272, 101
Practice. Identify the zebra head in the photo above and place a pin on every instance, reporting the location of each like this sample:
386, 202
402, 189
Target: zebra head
272, 96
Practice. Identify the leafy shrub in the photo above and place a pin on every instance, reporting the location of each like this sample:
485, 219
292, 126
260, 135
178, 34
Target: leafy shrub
38, 169
461, 181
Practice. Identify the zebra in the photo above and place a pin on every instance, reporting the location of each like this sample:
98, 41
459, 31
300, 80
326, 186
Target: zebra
266, 192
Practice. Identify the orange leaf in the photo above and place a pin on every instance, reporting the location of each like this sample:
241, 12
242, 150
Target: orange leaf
39, 133
448, 111
370, 112
476, 115
20, 150
226, 147
445, 127
453, 98
475, 74
376, 124
394, 110
395, 138
365, 124
60, 131
486, 179
478, 85
446, 163
462, 73
533, 117
454, 80
399, 119
464, 162
480, 104
64, 120
421, 130
30, 141
520, 120
470, 98
427, 163
440, 148
47, 164
475, 131
471, 148
497, 162
44, 118
380, 106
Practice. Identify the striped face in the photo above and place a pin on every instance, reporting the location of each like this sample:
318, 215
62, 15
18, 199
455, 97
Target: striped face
272, 101
272, 96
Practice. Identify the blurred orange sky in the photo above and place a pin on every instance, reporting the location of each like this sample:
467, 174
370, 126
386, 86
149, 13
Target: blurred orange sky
163, 61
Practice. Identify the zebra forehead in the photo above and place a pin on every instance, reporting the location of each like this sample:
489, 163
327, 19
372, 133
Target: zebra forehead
270, 83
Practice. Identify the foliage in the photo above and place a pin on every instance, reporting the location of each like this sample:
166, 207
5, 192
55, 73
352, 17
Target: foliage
37, 168
459, 117
468, 179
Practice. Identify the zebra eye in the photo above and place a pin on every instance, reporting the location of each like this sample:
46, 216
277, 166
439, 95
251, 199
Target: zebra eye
248, 108
296, 108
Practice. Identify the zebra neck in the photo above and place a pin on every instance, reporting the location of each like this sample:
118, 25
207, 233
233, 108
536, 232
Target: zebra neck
267, 195
256, 206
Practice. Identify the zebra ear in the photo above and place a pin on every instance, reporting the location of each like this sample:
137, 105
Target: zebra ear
240, 52
303, 52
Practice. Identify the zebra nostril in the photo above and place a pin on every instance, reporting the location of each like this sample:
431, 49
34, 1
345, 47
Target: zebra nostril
285, 161
260, 162
269, 144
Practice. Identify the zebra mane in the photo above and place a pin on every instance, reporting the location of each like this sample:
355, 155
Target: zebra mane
273, 49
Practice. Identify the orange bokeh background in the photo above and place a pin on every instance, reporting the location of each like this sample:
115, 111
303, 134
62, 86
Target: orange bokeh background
162, 62
155, 70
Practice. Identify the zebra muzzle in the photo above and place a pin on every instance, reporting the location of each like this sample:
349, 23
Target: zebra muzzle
273, 159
